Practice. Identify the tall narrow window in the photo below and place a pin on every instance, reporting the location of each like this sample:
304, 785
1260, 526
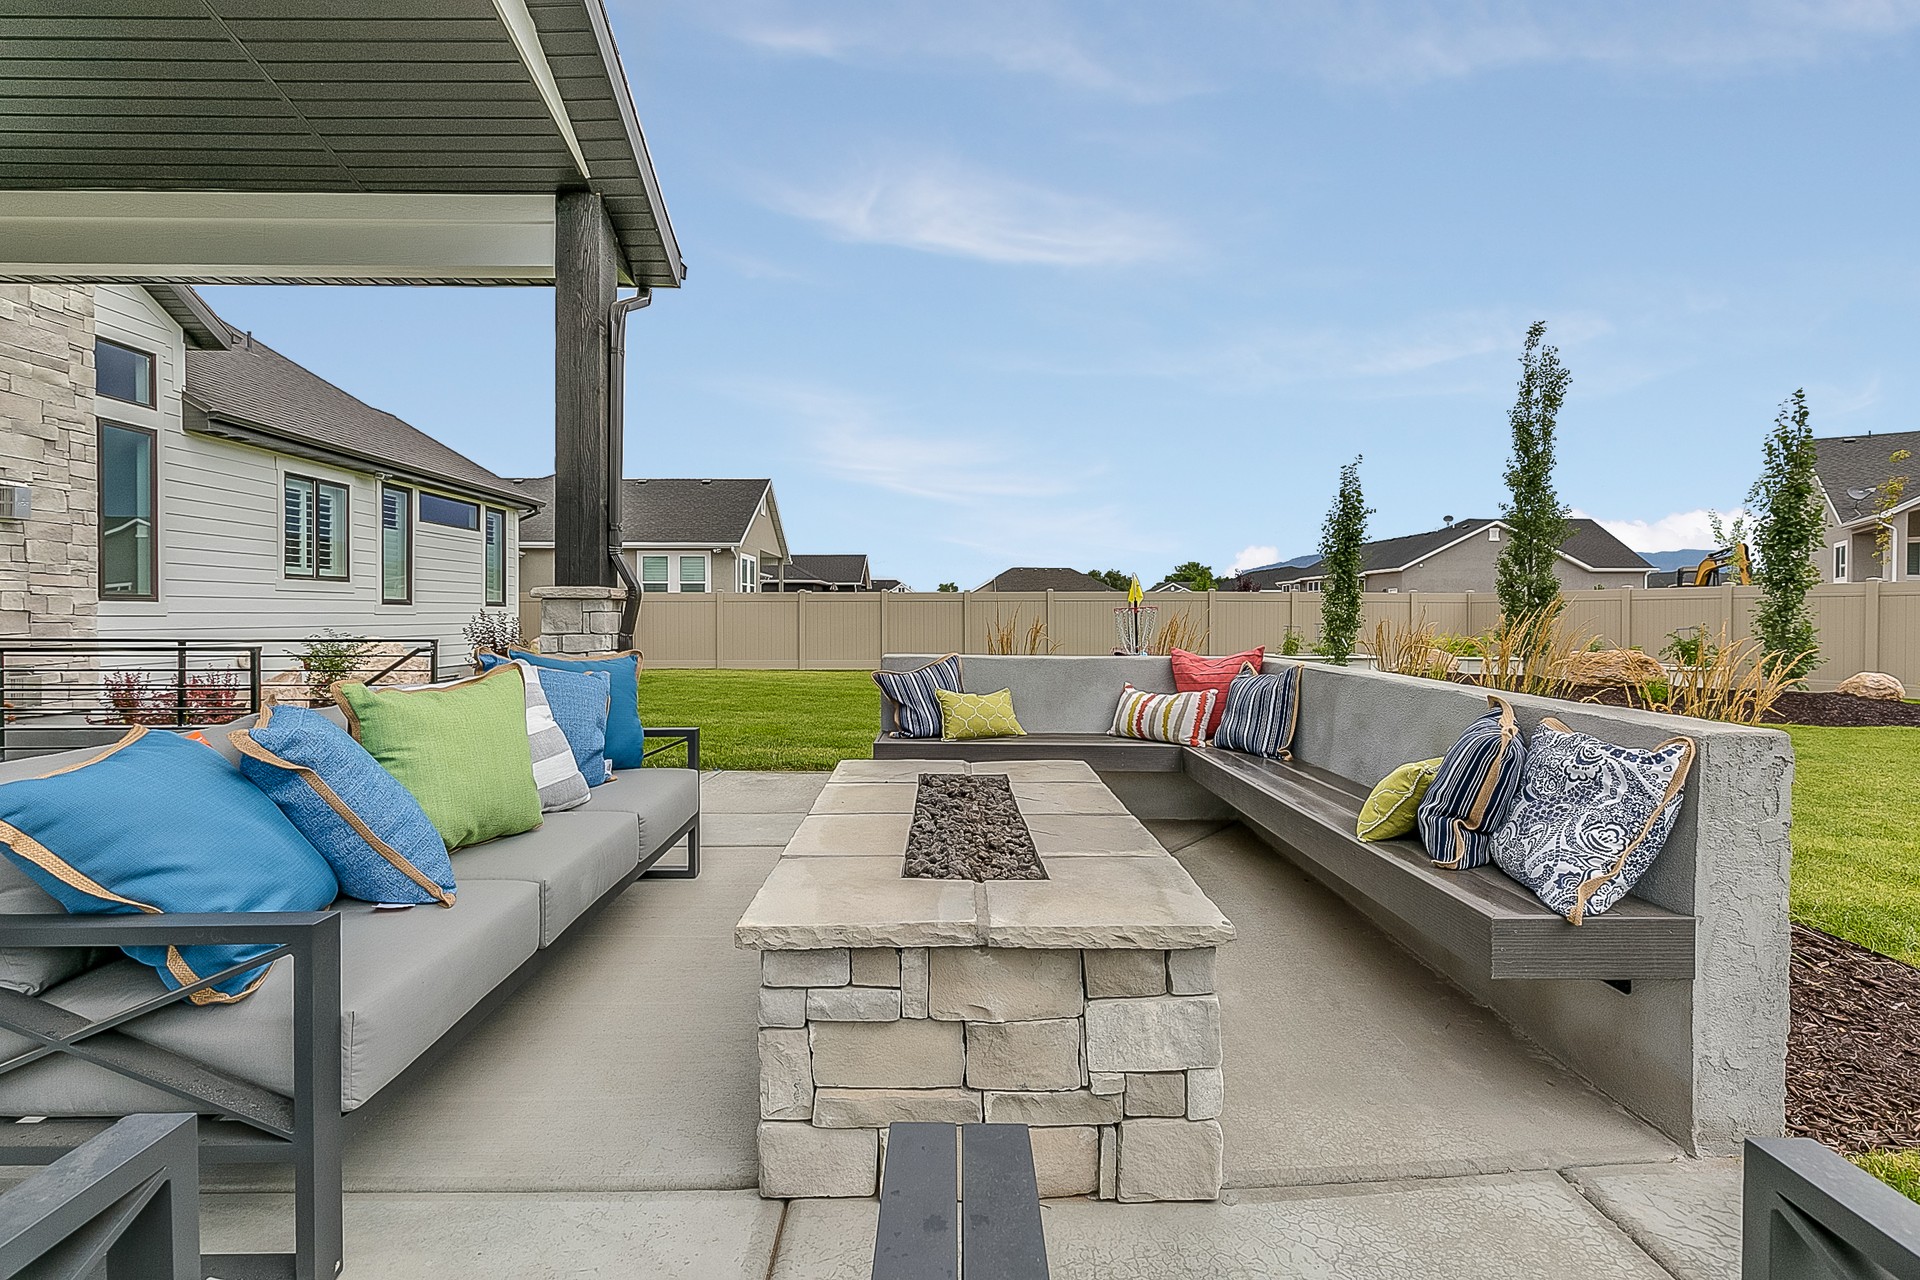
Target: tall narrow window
315, 529
127, 567
749, 574
653, 573
496, 556
693, 573
1840, 562
122, 373
1913, 559
396, 544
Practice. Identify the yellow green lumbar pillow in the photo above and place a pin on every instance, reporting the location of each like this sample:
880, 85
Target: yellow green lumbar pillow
1392, 809
461, 748
977, 715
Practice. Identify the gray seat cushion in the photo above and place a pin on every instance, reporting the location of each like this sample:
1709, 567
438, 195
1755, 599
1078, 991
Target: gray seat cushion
406, 978
664, 799
574, 857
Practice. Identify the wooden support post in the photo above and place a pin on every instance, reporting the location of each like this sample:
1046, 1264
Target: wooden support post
586, 449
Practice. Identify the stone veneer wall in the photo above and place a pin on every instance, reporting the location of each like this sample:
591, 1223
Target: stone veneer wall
579, 619
47, 441
1111, 1057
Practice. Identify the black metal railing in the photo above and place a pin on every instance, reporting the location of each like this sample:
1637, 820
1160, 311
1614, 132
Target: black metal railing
58, 693
1809, 1214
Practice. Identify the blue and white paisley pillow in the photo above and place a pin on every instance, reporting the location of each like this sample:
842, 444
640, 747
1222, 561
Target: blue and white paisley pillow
1591, 817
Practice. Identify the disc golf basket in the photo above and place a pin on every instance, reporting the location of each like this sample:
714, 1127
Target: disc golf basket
1133, 627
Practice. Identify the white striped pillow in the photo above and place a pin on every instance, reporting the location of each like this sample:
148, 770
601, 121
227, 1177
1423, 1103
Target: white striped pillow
556, 774
1163, 717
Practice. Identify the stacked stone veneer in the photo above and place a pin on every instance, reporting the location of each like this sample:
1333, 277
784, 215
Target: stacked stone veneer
1111, 1057
580, 619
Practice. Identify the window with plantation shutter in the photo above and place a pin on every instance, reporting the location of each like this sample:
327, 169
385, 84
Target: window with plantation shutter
496, 556
315, 528
396, 545
299, 546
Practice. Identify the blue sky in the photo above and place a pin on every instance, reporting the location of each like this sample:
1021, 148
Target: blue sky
1122, 284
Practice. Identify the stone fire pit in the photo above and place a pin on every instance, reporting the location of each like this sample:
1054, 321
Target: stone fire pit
1081, 1005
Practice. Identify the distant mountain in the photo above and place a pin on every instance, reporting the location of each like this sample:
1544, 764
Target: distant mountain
1671, 560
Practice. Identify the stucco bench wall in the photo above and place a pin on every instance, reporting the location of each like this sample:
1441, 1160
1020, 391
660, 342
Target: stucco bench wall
1702, 1059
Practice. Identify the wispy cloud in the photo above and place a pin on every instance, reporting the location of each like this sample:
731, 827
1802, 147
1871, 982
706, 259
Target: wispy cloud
1022, 37
947, 208
1253, 558
1680, 531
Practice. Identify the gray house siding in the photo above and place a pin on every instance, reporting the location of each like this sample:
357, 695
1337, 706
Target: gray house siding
1472, 565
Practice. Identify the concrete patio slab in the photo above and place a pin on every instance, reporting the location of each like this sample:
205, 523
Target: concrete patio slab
1349, 1060
691, 1235
1175, 834
1686, 1215
741, 829
740, 791
1513, 1227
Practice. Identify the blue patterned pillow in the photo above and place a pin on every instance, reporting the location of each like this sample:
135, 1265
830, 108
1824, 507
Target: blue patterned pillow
160, 824
1591, 817
1261, 713
916, 709
579, 701
1473, 790
364, 822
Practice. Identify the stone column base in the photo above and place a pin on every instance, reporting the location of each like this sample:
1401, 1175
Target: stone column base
579, 619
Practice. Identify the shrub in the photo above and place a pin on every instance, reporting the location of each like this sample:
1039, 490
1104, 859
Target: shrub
1292, 644
1340, 541
329, 657
494, 632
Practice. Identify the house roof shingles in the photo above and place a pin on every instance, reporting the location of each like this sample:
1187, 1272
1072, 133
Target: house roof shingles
250, 386
1588, 542
837, 570
662, 512
1044, 579
1846, 463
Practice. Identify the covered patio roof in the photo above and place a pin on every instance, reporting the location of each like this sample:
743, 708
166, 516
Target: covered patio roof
323, 141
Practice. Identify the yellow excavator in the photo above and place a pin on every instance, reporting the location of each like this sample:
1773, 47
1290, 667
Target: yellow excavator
1729, 560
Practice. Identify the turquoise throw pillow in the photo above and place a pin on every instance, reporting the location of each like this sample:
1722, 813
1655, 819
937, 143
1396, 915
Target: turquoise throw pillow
626, 744
368, 826
159, 824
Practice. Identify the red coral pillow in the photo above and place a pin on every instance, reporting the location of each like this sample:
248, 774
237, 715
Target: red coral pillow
1195, 674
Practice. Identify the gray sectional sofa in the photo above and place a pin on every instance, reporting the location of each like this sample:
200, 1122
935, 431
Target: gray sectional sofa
387, 987
1675, 1002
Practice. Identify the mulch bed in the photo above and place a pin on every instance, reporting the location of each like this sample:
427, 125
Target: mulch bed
968, 827
1853, 1053
1828, 710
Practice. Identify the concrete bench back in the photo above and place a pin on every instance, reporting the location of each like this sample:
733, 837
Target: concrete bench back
1704, 1060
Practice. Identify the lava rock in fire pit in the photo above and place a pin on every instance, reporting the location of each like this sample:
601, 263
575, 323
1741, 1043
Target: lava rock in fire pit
968, 827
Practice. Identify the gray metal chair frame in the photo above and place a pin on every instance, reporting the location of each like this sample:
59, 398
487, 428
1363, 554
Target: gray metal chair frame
124, 1205
1809, 1214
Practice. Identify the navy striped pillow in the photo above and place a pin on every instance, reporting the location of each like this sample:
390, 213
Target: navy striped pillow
916, 709
1261, 713
1475, 787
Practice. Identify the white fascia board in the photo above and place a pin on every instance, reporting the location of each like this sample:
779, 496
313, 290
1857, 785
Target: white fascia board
526, 43
652, 546
1861, 522
266, 236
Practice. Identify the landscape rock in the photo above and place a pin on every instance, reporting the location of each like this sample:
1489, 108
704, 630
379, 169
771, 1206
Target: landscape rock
1873, 684
878, 1108
1125, 973
1171, 1033
909, 1054
1024, 1055
853, 1004
786, 1075
1158, 1093
1077, 1106
1003, 984
1066, 1161
827, 968
1171, 1160
1611, 667
799, 1160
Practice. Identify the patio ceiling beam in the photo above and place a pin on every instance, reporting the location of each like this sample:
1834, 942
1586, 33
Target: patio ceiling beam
271, 237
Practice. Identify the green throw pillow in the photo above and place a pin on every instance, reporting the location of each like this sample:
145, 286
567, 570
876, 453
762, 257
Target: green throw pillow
1392, 809
461, 748
977, 715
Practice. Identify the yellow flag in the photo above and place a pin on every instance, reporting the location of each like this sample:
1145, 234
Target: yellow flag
1134, 594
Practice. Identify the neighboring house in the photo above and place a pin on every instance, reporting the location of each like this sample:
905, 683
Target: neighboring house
210, 487
678, 536
1170, 584
1855, 473
1463, 556
1267, 577
820, 573
1027, 579
890, 584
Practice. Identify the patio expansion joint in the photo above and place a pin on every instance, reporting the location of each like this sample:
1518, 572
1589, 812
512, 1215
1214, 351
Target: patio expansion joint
1222, 825
1623, 1230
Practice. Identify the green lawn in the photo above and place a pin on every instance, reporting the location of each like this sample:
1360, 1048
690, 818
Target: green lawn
767, 719
1856, 862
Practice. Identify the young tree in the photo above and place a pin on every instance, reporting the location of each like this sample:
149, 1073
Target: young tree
1340, 539
1197, 576
1789, 530
1889, 493
1536, 518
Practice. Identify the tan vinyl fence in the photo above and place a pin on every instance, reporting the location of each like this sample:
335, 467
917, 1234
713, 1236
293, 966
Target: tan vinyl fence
1868, 626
